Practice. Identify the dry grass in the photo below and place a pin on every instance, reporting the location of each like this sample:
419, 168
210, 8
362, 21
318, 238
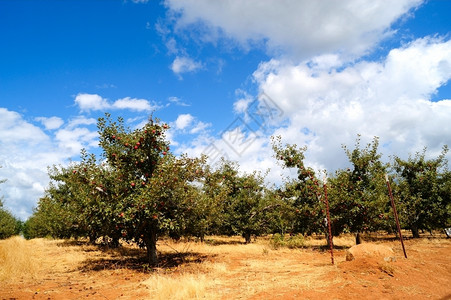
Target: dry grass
30, 260
235, 270
17, 259
220, 268
187, 286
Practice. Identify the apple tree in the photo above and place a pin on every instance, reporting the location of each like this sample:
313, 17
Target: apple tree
157, 192
8, 223
241, 200
358, 195
423, 188
304, 192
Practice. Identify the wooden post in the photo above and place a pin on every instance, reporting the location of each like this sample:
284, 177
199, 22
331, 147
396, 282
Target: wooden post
395, 214
331, 245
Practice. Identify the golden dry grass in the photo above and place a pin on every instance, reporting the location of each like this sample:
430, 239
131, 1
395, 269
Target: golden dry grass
30, 260
17, 259
187, 286
221, 268
238, 271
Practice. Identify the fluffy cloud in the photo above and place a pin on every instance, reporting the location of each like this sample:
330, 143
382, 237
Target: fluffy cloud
14, 129
303, 28
326, 108
89, 102
132, 104
389, 99
200, 127
26, 151
183, 121
184, 65
51, 123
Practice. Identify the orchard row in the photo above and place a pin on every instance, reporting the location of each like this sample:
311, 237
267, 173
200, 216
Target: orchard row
139, 191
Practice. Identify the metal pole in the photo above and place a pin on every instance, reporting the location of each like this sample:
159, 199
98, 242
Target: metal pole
396, 214
331, 245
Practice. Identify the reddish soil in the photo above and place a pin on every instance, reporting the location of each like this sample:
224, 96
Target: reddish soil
425, 274
273, 274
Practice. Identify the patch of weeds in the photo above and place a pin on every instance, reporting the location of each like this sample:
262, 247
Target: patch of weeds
292, 242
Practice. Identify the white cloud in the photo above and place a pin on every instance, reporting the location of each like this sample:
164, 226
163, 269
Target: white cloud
303, 28
188, 123
132, 104
71, 141
389, 99
326, 108
80, 120
241, 105
184, 65
88, 102
26, 151
51, 123
183, 121
171, 45
177, 101
200, 127
14, 129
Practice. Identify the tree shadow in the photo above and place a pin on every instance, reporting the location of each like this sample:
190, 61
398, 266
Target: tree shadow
135, 259
213, 242
71, 242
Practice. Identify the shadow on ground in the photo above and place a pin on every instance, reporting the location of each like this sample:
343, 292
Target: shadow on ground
135, 259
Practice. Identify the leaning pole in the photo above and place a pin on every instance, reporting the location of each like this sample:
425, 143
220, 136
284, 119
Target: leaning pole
395, 214
331, 245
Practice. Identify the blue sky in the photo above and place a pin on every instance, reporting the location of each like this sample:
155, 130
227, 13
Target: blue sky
329, 70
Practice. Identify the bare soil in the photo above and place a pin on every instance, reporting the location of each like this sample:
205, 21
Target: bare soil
224, 268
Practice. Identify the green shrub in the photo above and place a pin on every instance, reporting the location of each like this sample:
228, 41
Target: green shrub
292, 242
296, 241
9, 225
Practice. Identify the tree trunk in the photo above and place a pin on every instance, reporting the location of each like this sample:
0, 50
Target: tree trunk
151, 246
415, 231
326, 232
114, 242
247, 237
92, 238
358, 239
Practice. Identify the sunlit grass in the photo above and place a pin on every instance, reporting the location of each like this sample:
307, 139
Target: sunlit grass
29, 260
17, 259
186, 286
220, 268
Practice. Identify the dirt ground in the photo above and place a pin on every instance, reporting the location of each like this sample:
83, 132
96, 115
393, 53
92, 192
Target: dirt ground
224, 268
